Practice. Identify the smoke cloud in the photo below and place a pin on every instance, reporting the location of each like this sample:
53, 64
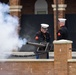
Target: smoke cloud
9, 38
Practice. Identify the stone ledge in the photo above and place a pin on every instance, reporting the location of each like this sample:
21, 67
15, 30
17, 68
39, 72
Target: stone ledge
16, 7
30, 53
26, 60
72, 60
60, 6
62, 41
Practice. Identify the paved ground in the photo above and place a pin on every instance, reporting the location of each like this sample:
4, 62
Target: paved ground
31, 55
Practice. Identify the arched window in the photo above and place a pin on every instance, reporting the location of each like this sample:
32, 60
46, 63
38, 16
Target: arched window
41, 7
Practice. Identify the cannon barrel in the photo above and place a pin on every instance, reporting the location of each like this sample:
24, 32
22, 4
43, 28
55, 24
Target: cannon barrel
36, 44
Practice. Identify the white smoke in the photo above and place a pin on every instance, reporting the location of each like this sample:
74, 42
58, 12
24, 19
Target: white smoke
9, 38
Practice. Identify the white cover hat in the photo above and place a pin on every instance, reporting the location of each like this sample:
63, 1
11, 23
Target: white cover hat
44, 25
62, 19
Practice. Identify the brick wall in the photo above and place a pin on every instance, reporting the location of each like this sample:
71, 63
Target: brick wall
62, 64
28, 6
27, 68
71, 6
72, 68
35, 67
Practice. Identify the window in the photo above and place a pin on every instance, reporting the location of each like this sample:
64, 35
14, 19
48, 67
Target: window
41, 12
41, 7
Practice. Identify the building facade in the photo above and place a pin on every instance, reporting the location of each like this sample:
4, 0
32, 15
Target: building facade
37, 9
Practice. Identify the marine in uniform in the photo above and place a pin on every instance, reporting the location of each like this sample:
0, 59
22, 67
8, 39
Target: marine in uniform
43, 36
63, 31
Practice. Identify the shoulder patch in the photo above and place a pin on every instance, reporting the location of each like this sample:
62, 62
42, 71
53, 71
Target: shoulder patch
59, 34
36, 38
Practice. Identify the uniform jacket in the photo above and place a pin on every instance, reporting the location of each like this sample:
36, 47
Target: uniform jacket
43, 37
62, 33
